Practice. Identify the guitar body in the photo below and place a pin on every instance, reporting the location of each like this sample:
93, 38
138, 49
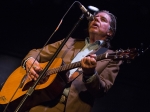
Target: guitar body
47, 91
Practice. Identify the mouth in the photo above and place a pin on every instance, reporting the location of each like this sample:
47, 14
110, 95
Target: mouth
95, 24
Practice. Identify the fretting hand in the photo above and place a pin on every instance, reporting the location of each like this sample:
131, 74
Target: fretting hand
88, 65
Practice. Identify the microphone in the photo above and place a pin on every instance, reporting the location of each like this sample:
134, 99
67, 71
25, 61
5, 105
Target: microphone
88, 15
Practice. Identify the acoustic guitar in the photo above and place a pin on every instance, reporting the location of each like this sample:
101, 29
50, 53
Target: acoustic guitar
51, 85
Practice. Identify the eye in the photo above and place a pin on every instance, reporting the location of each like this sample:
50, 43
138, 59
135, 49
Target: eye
103, 19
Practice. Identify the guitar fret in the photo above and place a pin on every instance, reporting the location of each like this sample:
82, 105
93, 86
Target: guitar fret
63, 68
67, 66
72, 65
99, 57
59, 69
56, 70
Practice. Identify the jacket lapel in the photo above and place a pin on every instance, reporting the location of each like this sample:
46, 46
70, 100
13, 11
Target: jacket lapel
78, 47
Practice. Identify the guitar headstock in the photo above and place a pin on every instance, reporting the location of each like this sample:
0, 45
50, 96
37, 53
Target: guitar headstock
126, 54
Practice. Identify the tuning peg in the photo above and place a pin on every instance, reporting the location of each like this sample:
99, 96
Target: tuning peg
121, 57
115, 57
128, 50
127, 56
117, 51
140, 50
147, 48
120, 50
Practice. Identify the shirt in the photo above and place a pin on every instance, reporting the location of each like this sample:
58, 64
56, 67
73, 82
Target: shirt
88, 48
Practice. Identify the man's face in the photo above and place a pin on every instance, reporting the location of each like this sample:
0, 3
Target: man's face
100, 25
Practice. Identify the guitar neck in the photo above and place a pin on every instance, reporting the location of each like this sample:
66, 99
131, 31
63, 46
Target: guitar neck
72, 65
118, 55
64, 68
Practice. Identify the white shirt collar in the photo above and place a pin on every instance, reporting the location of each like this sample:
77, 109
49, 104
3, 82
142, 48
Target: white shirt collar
99, 42
96, 44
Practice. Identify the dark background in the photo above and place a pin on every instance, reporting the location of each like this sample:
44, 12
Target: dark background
27, 24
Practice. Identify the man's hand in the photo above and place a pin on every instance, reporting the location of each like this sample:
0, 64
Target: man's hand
88, 65
34, 70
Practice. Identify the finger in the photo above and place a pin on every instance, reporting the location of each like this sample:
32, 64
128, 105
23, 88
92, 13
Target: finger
27, 71
86, 60
36, 75
37, 68
89, 63
92, 55
29, 77
93, 61
35, 78
33, 74
90, 60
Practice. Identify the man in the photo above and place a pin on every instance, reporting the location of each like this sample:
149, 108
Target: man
96, 77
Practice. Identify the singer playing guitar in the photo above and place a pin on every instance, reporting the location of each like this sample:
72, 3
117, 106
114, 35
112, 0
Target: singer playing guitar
74, 90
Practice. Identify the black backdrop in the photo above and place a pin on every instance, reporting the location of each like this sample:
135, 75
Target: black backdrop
27, 24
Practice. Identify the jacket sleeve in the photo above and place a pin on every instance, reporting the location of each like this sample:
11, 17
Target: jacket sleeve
44, 54
103, 79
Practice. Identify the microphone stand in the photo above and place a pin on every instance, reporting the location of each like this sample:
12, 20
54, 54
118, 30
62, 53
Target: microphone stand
32, 88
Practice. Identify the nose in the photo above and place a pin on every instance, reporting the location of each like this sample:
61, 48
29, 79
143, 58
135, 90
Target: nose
95, 18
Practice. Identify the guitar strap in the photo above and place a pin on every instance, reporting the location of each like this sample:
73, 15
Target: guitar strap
101, 51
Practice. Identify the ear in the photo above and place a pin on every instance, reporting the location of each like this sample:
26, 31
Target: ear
109, 33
